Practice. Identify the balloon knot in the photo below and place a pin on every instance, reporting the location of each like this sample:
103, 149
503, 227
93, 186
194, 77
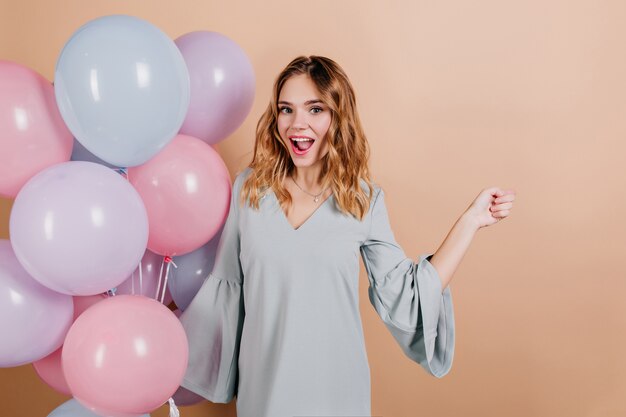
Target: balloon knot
123, 172
168, 259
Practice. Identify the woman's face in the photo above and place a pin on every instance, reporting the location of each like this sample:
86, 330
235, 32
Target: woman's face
303, 121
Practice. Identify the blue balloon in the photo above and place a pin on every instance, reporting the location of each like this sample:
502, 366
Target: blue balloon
122, 88
191, 270
73, 408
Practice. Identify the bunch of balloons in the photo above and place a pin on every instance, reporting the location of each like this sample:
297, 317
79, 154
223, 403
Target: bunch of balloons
115, 180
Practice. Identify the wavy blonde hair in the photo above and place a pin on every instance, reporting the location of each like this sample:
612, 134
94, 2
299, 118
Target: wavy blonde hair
345, 164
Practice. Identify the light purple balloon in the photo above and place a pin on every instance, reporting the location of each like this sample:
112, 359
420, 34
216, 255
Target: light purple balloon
222, 85
183, 397
79, 228
146, 284
193, 268
33, 319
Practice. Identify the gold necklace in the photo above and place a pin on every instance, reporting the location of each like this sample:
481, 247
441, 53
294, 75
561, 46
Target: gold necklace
316, 197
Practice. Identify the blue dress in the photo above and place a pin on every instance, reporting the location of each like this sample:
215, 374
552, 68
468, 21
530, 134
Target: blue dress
277, 321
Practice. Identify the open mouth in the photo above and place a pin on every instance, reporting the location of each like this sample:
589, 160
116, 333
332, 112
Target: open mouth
301, 145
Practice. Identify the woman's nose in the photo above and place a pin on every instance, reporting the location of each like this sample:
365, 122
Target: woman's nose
299, 120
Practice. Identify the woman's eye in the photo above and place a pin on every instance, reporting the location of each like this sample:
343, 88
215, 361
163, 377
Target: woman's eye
284, 110
316, 110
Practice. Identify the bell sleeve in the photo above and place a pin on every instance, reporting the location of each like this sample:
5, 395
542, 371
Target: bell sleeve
408, 296
214, 320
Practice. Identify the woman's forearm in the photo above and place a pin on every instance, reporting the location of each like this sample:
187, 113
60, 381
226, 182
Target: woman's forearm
448, 257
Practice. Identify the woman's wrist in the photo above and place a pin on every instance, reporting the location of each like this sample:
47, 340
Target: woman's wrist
470, 220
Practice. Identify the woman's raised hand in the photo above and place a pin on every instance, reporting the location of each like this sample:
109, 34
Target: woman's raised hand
491, 205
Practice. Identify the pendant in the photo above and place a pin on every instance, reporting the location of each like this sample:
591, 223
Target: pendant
316, 199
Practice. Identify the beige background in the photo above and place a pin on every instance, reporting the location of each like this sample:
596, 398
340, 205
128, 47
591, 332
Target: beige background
455, 96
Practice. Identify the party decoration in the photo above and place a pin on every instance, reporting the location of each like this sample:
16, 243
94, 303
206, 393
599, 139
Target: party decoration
222, 85
32, 133
125, 356
49, 369
33, 319
192, 269
122, 88
78, 228
147, 279
186, 189
184, 397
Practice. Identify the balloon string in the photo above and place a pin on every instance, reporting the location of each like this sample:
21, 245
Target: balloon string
169, 262
173, 409
140, 278
156, 296
167, 271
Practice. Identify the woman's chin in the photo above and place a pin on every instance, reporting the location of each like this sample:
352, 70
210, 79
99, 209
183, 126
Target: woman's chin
303, 162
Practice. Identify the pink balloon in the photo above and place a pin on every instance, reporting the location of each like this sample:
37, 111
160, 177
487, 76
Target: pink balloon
125, 356
79, 228
33, 135
33, 318
81, 304
49, 369
147, 283
222, 85
186, 189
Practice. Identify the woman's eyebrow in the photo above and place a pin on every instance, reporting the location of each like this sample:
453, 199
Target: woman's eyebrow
306, 103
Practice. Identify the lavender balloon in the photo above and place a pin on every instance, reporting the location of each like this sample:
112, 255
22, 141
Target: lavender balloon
184, 397
79, 228
192, 269
33, 319
222, 85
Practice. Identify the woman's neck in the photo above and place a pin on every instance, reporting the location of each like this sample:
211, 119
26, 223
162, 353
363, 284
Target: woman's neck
308, 177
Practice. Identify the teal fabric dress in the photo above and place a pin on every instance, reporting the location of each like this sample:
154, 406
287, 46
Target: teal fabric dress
277, 321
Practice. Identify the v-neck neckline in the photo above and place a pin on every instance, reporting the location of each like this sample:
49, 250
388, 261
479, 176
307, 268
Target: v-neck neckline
307, 220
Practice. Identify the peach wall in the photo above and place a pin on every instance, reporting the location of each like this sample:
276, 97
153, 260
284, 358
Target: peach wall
455, 96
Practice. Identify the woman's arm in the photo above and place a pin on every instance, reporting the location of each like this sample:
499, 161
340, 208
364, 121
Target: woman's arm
491, 205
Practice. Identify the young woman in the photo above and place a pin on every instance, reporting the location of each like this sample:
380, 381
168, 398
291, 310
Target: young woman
277, 321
